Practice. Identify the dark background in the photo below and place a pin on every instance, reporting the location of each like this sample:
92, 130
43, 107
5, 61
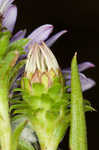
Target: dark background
80, 18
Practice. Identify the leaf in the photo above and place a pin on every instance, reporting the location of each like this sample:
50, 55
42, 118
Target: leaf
78, 138
87, 106
8, 64
4, 42
17, 133
24, 145
18, 45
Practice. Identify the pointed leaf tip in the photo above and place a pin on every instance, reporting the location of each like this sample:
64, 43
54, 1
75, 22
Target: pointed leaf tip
75, 55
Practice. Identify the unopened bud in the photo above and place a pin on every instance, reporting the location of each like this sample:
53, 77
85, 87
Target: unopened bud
42, 66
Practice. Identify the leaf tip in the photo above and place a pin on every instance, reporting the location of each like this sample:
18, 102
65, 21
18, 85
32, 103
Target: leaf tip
75, 55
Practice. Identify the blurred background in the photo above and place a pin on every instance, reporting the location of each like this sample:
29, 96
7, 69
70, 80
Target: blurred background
80, 18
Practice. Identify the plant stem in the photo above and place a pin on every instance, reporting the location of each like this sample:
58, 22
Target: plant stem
51, 134
6, 135
5, 127
48, 144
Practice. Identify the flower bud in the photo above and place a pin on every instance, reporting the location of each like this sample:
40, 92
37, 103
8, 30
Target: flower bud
44, 93
42, 66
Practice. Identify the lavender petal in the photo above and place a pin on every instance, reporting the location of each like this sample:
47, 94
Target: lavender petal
19, 35
10, 18
85, 65
40, 34
86, 83
4, 5
53, 39
1, 1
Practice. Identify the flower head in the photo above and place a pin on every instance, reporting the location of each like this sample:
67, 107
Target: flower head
39, 35
41, 65
44, 91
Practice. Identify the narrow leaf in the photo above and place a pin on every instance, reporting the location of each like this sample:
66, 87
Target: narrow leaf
4, 41
78, 140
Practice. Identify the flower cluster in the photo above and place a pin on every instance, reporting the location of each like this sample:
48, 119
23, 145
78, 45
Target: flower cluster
38, 100
42, 33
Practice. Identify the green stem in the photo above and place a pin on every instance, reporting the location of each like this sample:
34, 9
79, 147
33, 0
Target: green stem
48, 142
48, 147
5, 127
51, 133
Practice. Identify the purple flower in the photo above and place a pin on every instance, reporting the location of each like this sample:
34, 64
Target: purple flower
86, 83
8, 13
39, 35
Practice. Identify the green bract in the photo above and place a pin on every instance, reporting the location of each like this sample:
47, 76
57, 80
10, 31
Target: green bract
45, 99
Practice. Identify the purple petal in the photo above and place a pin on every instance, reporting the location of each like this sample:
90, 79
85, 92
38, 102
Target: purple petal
19, 35
10, 18
1, 2
66, 74
53, 39
40, 34
85, 65
4, 5
86, 83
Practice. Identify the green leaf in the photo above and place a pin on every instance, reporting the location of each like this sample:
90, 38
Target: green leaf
18, 45
7, 65
4, 42
24, 145
17, 133
7, 33
78, 137
87, 106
